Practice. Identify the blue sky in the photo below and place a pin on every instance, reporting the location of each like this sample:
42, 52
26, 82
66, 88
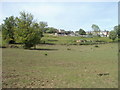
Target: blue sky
67, 15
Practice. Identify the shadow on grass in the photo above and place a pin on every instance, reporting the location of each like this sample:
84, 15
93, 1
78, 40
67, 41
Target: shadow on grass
3, 47
44, 49
53, 40
48, 43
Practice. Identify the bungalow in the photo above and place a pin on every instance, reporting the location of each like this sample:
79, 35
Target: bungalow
60, 34
101, 33
104, 33
64, 33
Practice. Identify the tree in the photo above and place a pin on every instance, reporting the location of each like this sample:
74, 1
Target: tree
117, 29
76, 31
8, 29
43, 26
96, 29
112, 35
118, 32
51, 30
27, 31
82, 32
0, 27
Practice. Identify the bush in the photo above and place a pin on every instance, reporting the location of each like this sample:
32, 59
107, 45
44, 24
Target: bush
3, 44
45, 54
99, 41
68, 49
86, 43
42, 42
96, 46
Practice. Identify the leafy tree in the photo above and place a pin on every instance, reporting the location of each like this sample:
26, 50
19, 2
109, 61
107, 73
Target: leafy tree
96, 28
76, 31
118, 32
51, 30
90, 34
27, 31
8, 29
69, 32
112, 35
117, 29
82, 32
43, 26
0, 27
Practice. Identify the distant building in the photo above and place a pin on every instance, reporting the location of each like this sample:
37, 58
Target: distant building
62, 32
104, 33
101, 33
89, 34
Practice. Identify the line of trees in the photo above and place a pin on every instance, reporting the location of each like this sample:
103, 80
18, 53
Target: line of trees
113, 33
24, 29
95, 28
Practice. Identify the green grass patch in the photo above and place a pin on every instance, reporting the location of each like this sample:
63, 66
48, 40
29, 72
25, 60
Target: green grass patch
71, 40
54, 66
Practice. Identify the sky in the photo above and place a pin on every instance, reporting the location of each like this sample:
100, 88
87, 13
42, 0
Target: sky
66, 15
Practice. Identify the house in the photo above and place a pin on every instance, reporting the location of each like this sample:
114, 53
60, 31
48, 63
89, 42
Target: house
60, 34
72, 34
64, 33
101, 33
104, 33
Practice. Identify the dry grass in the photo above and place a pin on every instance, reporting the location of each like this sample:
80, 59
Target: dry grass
61, 68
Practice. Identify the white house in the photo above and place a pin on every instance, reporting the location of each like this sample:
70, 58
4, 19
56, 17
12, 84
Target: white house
101, 33
104, 33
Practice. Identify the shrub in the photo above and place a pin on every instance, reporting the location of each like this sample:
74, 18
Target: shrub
45, 54
86, 43
68, 49
99, 41
3, 44
96, 46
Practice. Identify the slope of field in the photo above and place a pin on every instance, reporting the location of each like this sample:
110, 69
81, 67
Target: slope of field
61, 66
61, 40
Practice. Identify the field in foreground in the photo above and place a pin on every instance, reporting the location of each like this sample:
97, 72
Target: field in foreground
60, 66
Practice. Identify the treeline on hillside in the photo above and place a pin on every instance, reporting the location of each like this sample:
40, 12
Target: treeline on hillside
24, 29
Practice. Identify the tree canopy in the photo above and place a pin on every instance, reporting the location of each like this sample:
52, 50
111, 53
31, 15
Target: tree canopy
96, 28
113, 35
8, 29
51, 30
43, 26
27, 31
82, 32
117, 29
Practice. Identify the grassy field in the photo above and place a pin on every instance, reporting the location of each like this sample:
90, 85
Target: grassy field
61, 40
61, 66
